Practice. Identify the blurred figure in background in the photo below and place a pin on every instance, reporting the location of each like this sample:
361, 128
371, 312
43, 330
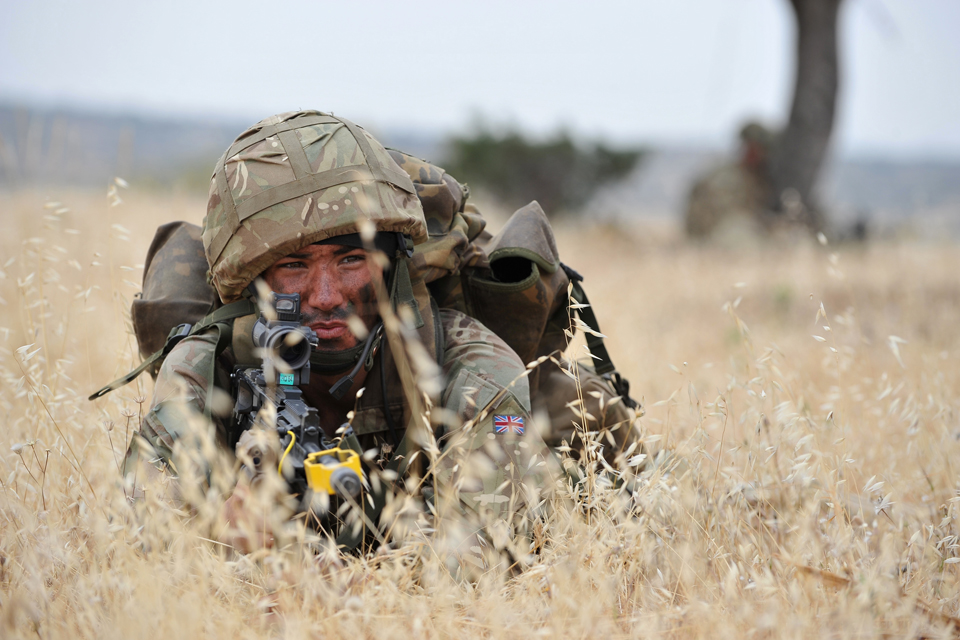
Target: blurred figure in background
738, 200
733, 197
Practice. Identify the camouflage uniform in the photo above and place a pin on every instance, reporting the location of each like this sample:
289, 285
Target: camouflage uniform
294, 180
483, 376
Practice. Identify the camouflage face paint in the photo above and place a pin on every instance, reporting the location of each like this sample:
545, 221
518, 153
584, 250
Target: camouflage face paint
334, 282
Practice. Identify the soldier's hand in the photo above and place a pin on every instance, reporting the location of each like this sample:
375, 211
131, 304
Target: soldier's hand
246, 526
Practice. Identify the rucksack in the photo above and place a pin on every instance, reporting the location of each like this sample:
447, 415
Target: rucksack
514, 282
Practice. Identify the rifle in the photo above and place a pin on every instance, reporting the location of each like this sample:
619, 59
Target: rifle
310, 461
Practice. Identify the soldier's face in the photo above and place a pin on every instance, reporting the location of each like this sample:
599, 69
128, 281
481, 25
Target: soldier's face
334, 282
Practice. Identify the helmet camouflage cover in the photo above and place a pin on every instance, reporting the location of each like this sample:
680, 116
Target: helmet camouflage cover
295, 179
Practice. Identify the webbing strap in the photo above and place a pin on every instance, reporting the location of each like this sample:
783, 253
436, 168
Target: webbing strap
402, 291
222, 315
594, 342
219, 321
372, 160
227, 312
274, 129
231, 220
295, 154
308, 184
604, 366
224, 336
130, 377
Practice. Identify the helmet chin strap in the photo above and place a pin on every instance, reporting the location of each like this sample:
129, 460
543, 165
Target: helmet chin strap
341, 386
401, 292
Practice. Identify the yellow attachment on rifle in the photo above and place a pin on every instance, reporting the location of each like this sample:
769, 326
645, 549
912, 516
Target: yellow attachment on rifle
293, 439
334, 471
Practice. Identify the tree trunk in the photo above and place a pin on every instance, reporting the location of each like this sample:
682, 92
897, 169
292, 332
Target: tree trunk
802, 146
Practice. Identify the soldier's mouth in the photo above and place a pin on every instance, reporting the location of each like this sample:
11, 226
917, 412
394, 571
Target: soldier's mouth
330, 330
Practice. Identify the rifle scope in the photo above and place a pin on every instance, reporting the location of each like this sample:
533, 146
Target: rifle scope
285, 337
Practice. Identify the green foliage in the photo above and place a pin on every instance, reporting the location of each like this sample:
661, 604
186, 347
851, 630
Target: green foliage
560, 174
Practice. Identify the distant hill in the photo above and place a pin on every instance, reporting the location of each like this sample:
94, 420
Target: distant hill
891, 189
72, 147
78, 148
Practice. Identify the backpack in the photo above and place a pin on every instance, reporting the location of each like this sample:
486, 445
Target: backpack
513, 282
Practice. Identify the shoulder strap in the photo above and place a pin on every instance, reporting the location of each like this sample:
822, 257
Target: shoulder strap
604, 364
220, 317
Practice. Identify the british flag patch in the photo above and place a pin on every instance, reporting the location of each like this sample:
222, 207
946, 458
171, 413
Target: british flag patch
508, 424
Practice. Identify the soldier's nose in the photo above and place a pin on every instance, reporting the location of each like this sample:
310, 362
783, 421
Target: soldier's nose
325, 294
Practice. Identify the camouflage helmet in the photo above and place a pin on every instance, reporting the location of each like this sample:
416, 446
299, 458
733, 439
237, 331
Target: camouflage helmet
295, 179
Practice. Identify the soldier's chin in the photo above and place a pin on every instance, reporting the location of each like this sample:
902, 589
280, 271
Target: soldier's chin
338, 344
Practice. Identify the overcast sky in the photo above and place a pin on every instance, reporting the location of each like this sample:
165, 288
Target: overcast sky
644, 71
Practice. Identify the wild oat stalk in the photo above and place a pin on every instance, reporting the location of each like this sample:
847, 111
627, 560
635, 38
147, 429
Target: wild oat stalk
793, 488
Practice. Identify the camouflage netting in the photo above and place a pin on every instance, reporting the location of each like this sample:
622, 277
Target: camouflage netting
295, 179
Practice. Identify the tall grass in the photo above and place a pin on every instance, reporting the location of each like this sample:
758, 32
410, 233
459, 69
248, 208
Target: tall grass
801, 405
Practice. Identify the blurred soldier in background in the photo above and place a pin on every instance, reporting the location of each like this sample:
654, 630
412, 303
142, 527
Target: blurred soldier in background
735, 195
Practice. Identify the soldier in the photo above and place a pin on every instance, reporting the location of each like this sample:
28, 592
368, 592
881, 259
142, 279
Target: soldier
734, 194
288, 201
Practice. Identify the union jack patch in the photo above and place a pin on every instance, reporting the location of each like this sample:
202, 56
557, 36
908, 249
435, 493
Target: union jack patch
508, 424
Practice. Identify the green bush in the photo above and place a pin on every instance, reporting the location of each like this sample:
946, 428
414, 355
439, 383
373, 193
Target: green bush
560, 174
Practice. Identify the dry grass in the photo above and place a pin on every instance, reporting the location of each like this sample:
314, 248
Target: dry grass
816, 494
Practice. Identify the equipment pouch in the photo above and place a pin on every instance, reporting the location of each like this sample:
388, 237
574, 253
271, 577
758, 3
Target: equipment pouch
175, 289
524, 288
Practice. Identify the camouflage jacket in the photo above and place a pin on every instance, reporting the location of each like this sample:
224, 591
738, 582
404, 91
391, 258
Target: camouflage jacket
492, 457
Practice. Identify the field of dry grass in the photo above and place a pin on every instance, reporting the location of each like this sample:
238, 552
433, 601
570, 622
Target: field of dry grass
807, 396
